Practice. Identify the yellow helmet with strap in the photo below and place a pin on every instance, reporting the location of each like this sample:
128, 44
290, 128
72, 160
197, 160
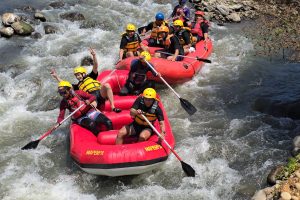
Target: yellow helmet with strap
149, 93
64, 84
130, 27
178, 22
79, 69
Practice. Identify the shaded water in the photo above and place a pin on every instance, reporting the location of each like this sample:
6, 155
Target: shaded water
230, 146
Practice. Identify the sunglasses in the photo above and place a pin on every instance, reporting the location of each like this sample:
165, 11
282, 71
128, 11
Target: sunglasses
62, 92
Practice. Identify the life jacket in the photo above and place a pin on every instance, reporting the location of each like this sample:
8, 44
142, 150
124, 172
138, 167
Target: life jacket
132, 46
73, 104
89, 85
155, 29
196, 28
150, 115
167, 40
180, 33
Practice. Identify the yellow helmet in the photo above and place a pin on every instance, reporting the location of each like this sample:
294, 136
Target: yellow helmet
178, 22
64, 84
130, 27
79, 69
146, 55
149, 93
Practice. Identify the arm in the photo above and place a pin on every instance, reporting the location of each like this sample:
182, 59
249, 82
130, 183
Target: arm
175, 55
95, 61
121, 52
162, 128
62, 111
55, 76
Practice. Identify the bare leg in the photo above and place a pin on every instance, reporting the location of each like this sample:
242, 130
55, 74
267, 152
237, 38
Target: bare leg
144, 135
107, 93
123, 132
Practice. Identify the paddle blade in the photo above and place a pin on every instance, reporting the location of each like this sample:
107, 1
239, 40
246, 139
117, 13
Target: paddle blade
204, 60
189, 171
31, 145
187, 106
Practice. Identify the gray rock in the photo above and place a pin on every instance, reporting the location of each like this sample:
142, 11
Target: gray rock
87, 61
234, 17
296, 146
22, 28
28, 9
224, 10
73, 16
236, 7
6, 31
49, 29
271, 179
39, 16
36, 35
9, 18
57, 4
260, 195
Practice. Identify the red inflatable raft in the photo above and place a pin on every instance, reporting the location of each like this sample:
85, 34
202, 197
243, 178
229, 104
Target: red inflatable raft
101, 156
178, 71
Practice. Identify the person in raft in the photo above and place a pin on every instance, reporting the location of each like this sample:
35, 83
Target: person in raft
137, 77
154, 26
181, 12
88, 83
87, 116
131, 43
199, 27
171, 45
146, 104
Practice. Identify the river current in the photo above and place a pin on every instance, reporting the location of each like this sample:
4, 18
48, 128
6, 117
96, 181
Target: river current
231, 146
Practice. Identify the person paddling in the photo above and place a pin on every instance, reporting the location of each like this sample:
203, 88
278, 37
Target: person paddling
137, 79
146, 104
131, 43
88, 83
199, 27
87, 116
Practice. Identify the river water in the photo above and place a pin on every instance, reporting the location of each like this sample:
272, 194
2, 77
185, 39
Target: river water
231, 146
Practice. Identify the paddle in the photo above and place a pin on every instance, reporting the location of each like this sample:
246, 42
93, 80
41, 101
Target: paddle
189, 171
186, 105
34, 144
196, 58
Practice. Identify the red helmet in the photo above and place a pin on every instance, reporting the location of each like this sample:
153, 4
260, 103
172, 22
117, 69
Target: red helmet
199, 13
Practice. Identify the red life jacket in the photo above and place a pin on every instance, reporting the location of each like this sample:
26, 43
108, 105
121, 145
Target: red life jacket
74, 103
196, 28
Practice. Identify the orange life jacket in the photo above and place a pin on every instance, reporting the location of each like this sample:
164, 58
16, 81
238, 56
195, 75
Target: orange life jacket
155, 29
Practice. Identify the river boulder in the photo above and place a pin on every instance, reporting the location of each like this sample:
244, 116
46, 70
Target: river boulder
22, 28
9, 18
6, 31
73, 16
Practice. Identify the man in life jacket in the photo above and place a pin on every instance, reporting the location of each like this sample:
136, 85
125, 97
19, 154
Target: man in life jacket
199, 27
171, 45
184, 35
181, 12
88, 83
87, 116
154, 26
137, 77
147, 104
131, 43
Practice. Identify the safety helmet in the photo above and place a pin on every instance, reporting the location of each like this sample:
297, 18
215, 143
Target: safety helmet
163, 29
149, 93
146, 55
178, 22
199, 13
159, 16
130, 27
64, 84
79, 69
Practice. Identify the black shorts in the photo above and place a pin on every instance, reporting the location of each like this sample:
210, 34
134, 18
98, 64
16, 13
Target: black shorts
139, 128
100, 100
